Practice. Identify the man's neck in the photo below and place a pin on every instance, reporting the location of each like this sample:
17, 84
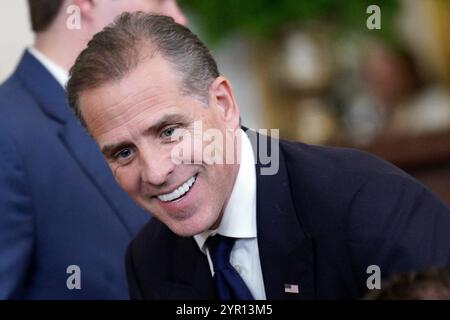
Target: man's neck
61, 50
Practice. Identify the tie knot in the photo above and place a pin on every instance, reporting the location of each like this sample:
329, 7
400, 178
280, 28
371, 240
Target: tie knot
220, 250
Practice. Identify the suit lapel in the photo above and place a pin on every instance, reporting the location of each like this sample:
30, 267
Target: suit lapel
51, 98
192, 278
286, 252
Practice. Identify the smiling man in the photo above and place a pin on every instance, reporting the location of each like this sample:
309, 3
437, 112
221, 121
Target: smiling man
145, 115
225, 230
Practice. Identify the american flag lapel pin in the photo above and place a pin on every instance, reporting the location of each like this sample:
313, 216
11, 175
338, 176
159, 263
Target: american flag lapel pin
291, 288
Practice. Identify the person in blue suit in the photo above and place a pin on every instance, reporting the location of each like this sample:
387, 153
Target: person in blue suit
235, 221
64, 221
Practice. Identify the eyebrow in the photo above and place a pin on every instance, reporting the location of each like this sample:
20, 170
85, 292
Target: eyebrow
109, 150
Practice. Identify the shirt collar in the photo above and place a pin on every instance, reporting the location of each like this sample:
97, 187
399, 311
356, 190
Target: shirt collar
61, 75
239, 218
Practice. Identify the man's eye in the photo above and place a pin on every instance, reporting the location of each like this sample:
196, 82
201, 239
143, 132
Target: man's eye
123, 154
167, 133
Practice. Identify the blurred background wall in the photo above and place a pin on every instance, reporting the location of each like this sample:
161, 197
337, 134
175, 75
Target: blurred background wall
322, 76
15, 34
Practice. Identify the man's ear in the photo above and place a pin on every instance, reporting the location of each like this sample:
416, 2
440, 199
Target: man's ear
221, 96
86, 8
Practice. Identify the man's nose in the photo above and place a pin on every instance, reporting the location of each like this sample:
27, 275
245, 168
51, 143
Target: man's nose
155, 170
177, 14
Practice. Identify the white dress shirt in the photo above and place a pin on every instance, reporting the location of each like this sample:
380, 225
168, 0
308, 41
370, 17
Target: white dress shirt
239, 221
61, 75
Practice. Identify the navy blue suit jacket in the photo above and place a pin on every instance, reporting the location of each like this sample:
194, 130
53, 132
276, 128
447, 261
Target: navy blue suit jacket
322, 220
59, 204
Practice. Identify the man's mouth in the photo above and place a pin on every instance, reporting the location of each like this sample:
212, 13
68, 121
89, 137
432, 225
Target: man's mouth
178, 192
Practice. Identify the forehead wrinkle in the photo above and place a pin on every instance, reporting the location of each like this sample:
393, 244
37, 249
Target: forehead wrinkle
129, 113
124, 100
151, 85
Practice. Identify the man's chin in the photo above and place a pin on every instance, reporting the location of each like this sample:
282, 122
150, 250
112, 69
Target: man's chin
186, 231
188, 227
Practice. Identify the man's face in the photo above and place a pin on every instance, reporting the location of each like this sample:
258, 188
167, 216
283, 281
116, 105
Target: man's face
107, 10
139, 120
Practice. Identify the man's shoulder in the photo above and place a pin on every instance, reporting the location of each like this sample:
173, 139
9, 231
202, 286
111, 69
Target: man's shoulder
327, 180
20, 109
335, 164
16, 99
10, 89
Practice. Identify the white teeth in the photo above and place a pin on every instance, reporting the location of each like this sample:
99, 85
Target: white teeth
180, 191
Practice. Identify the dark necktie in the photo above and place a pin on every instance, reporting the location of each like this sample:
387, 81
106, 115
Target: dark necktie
229, 284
